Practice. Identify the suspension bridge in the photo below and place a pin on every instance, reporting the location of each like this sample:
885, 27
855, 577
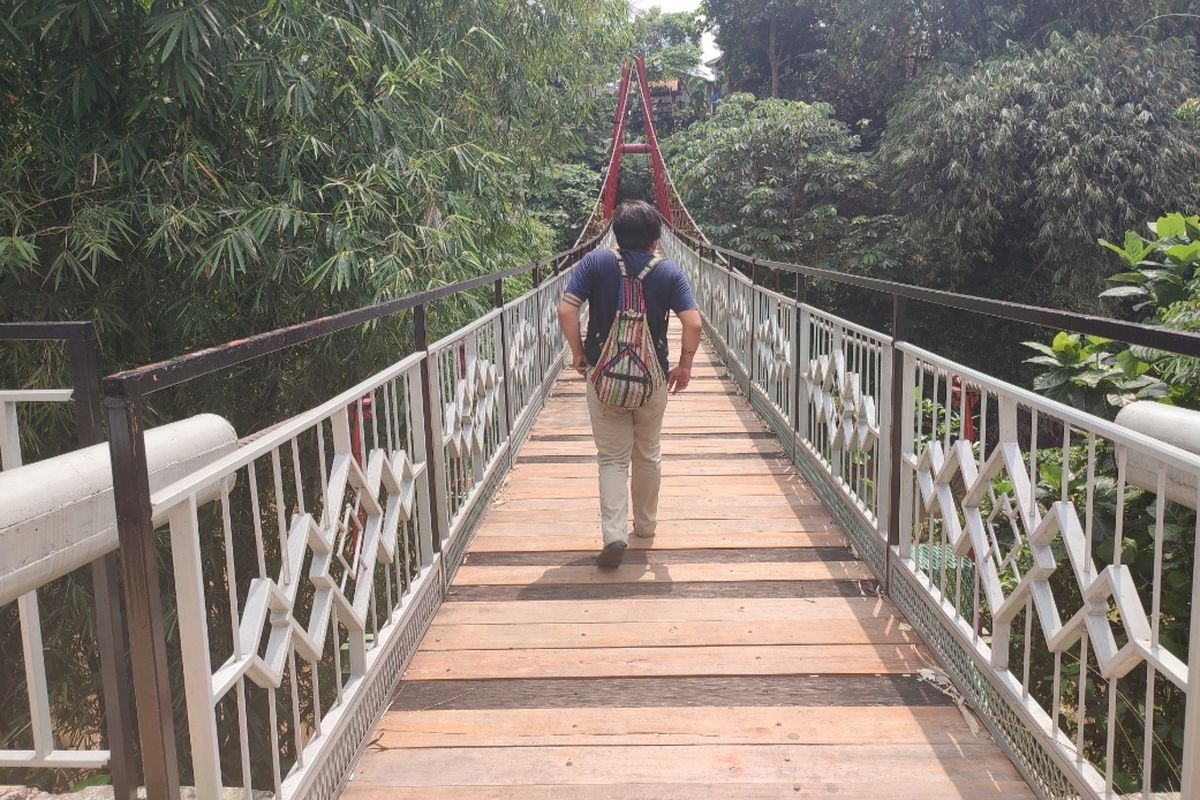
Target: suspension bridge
864, 583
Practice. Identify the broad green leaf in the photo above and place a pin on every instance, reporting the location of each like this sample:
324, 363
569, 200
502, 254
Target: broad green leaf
1184, 254
1171, 226
1041, 348
1131, 366
1125, 291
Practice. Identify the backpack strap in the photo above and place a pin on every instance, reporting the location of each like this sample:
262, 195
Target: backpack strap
621, 265
654, 262
641, 276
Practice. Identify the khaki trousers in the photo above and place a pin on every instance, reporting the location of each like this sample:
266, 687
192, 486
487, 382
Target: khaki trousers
625, 436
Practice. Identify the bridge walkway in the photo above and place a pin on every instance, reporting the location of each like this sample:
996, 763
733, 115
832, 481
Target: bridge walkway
744, 652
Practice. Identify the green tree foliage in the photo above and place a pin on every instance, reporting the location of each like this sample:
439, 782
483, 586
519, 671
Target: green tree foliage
860, 55
670, 42
1016, 167
775, 178
1161, 286
563, 198
655, 29
186, 173
766, 45
227, 167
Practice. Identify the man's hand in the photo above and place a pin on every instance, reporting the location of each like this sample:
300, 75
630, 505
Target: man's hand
678, 379
693, 326
568, 318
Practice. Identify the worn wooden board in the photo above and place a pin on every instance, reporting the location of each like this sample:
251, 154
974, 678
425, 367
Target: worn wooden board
674, 691
834, 609
972, 764
589, 539
670, 469
666, 573
666, 725
814, 631
680, 591
653, 557
668, 527
846, 659
866, 787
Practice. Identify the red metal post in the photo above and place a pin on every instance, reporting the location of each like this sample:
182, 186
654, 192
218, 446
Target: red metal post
608, 197
662, 195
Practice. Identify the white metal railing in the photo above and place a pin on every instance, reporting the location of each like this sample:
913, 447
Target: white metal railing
306, 643
309, 558
48, 749
1020, 521
10, 422
1026, 555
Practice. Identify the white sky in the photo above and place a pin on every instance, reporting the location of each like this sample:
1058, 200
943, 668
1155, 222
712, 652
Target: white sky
707, 44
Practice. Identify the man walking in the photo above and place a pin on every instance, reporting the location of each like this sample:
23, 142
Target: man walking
626, 434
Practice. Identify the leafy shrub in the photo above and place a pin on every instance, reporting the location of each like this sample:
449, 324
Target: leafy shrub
1015, 166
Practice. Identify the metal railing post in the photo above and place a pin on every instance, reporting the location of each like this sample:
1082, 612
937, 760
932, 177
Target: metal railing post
433, 464
800, 350
143, 597
900, 332
751, 355
85, 387
116, 680
498, 300
1191, 717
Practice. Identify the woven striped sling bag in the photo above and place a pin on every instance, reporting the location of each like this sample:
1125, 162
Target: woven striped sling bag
628, 371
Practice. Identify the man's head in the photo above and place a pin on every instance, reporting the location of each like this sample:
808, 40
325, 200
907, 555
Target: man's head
637, 225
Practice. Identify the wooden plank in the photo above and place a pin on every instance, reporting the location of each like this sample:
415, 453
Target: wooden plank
492, 541
667, 528
748, 505
678, 513
644, 590
847, 659
667, 725
675, 573
867, 787
806, 631
650, 556
679, 486
671, 448
976, 765
765, 691
585, 458
664, 435
838, 609
671, 468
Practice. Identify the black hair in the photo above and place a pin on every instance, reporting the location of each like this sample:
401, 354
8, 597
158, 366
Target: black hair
637, 225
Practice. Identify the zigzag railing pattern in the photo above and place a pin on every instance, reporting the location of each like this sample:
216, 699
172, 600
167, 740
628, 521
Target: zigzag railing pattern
1020, 555
352, 557
1018, 563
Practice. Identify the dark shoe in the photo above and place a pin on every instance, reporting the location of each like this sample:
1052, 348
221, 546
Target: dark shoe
610, 557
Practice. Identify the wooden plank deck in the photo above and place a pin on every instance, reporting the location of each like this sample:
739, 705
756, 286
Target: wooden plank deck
742, 653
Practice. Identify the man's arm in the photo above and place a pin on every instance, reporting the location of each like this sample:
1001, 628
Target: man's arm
681, 376
568, 318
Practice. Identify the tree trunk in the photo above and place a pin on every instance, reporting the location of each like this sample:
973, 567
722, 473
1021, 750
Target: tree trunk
773, 57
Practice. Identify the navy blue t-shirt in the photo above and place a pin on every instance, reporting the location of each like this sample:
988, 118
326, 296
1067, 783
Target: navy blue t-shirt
597, 279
